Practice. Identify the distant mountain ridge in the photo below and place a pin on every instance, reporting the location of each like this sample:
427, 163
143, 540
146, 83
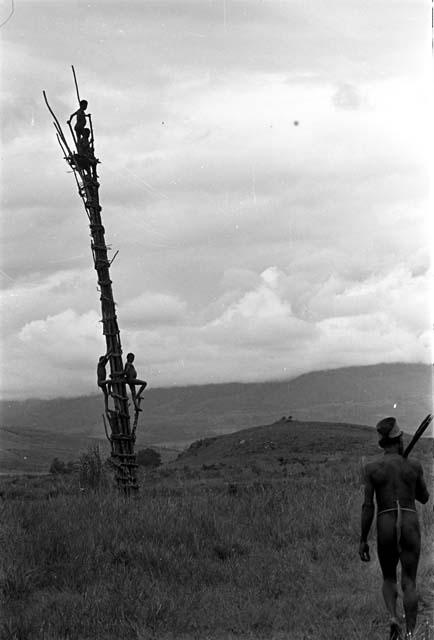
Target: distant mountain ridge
179, 415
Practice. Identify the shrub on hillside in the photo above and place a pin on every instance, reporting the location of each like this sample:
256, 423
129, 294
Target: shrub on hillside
148, 458
92, 473
58, 466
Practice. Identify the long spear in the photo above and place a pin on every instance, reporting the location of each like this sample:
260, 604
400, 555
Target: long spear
418, 434
75, 82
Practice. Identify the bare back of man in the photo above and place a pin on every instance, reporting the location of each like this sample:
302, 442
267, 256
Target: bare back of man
397, 483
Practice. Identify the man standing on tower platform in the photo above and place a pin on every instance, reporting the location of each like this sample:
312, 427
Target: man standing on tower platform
80, 115
397, 483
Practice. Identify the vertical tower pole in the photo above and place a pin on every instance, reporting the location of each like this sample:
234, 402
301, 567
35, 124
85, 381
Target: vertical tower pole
122, 437
122, 433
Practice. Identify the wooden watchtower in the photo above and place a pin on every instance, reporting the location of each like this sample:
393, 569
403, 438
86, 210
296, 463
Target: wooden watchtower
122, 430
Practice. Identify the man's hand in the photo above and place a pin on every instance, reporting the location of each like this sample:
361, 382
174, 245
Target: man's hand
364, 552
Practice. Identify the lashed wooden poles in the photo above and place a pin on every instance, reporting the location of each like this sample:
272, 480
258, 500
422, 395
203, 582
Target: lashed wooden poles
122, 438
122, 435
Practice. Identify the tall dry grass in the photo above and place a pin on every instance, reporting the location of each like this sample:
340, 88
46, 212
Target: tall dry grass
277, 561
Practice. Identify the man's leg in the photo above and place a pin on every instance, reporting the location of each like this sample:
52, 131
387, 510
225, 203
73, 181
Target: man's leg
103, 387
133, 392
388, 556
136, 397
390, 595
410, 551
142, 388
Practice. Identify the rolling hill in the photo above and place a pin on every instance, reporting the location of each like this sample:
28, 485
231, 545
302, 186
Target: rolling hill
283, 443
39, 430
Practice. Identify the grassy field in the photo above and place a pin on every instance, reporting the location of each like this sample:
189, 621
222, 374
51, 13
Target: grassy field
205, 551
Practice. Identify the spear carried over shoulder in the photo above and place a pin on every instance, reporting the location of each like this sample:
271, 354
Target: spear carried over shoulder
418, 434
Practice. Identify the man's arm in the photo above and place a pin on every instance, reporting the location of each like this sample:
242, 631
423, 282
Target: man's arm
421, 494
72, 115
368, 510
107, 357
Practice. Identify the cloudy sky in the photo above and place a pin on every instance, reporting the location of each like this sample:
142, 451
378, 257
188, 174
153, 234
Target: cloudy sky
264, 175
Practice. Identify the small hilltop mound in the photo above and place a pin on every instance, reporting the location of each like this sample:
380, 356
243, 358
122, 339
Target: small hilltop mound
282, 443
280, 452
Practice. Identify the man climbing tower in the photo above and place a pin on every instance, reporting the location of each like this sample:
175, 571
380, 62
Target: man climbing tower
101, 376
132, 381
396, 482
81, 116
85, 157
84, 144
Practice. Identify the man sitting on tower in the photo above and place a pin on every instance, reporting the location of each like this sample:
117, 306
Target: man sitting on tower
130, 374
101, 376
81, 116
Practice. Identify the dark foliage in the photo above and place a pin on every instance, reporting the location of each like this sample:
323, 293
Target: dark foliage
148, 458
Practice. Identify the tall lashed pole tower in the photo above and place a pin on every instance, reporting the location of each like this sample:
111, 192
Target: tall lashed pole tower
83, 163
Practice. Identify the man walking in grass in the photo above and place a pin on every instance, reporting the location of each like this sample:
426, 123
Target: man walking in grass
396, 482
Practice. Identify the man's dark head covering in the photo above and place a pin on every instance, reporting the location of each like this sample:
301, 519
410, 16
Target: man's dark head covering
388, 429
